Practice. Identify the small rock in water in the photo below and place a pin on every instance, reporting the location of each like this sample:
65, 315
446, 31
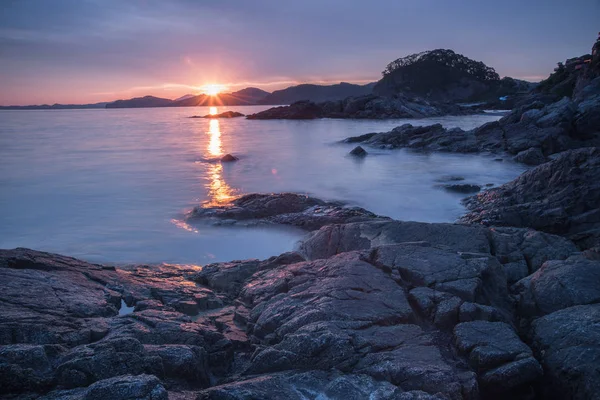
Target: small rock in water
228, 158
462, 188
358, 152
226, 114
450, 178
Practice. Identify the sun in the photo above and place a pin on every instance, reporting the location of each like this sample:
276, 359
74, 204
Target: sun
213, 89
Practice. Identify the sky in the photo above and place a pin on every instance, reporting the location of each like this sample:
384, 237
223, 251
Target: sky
87, 51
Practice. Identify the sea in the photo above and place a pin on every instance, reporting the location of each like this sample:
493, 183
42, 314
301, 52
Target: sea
113, 186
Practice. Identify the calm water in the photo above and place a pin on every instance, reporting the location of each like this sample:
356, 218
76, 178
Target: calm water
113, 185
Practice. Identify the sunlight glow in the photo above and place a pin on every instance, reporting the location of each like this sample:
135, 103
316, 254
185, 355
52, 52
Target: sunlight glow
213, 89
212, 111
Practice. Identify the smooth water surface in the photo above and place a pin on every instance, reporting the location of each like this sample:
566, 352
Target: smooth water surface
113, 185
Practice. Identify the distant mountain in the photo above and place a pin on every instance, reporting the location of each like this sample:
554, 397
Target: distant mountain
186, 96
317, 93
141, 102
251, 94
55, 106
244, 97
443, 75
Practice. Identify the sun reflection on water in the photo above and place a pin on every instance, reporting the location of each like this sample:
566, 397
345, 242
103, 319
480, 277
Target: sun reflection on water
214, 143
219, 192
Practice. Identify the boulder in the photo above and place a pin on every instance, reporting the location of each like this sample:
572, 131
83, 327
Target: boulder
505, 365
568, 345
358, 152
531, 156
127, 387
559, 284
229, 158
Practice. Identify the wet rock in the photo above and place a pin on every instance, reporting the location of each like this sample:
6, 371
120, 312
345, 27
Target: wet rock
504, 364
229, 158
531, 156
283, 209
462, 188
568, 345
358, 152
560, 197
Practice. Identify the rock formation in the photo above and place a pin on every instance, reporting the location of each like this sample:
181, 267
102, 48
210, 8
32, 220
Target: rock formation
560, 197
374, 309
290, 209
363, 107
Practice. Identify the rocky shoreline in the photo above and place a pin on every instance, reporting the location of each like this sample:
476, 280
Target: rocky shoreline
530, 133
363, 107
366, 307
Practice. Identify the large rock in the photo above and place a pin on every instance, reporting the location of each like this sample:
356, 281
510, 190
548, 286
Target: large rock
128, 387
531, 156
559, 284
283, 209
560, 197
505, 365
568, 345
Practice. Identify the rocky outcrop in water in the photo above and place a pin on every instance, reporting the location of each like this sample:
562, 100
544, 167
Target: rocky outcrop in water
226, 114
560, 197
374, 309
358, 152
289, 209
364, 107
531, 132
228, 158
